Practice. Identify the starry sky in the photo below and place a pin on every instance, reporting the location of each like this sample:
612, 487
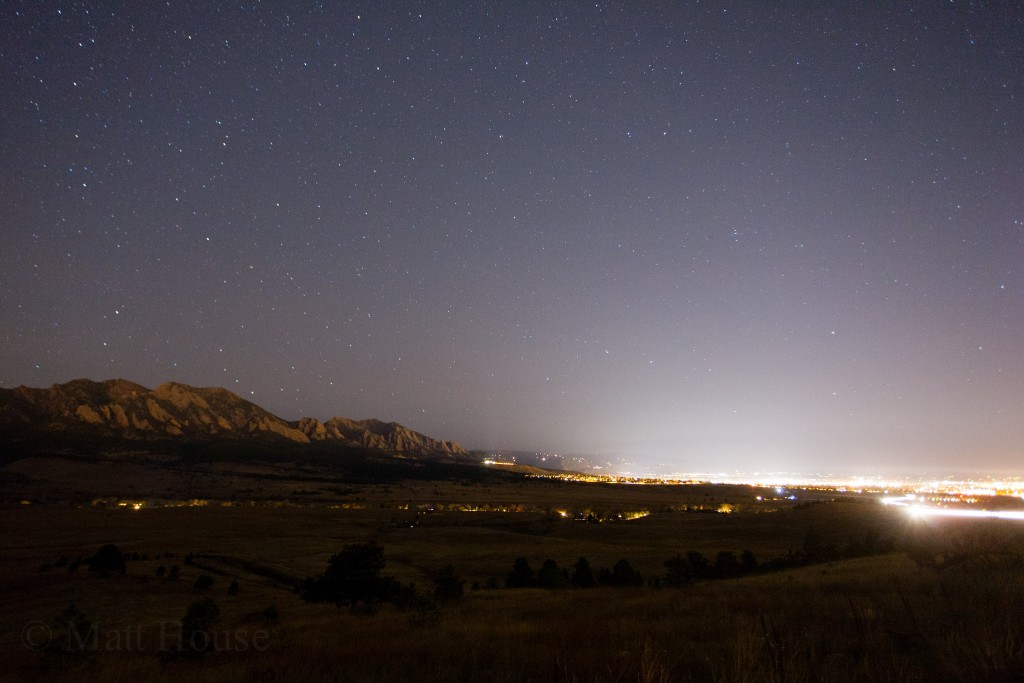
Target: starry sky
701, 236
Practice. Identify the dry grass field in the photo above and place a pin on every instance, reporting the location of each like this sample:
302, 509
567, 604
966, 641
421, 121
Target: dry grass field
929, 602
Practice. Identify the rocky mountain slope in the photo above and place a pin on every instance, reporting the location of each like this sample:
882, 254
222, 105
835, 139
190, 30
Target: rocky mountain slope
122, 410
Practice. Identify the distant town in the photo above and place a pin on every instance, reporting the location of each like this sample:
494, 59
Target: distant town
588, 468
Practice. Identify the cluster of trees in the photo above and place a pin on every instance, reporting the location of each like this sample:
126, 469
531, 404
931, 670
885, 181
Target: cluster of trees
680, 570
107, 560
354, 577
693, 566
550, 575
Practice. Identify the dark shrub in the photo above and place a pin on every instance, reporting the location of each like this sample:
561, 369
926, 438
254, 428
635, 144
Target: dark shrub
108, 558
195, 625
447, 585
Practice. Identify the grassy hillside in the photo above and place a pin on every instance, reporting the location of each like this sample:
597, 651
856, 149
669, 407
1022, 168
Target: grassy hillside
942, 602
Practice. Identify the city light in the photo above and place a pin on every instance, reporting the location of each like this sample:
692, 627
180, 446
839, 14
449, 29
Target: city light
916, 508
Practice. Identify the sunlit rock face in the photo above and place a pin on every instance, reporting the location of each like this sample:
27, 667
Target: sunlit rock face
130, 411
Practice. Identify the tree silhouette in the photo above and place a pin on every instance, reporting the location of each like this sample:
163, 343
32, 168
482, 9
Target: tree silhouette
582, 574
550, 576
748, 563
678, 572
353, 576
726, 564
699, 565
108, 558
621, 575
521, 574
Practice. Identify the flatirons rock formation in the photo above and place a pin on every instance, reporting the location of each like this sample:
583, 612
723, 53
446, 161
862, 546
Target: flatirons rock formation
386, 436
127, 411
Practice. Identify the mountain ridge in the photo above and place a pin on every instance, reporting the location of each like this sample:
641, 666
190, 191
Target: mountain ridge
122, 410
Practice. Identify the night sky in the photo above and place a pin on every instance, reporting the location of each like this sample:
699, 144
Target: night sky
705, 237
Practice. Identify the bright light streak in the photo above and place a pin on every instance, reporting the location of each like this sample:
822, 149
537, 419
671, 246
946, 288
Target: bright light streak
917, 510
898, 501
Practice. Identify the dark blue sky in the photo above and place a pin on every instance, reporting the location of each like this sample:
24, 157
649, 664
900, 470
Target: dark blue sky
703, 236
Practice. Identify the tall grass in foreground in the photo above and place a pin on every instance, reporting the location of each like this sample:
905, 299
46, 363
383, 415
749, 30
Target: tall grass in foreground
871, 619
